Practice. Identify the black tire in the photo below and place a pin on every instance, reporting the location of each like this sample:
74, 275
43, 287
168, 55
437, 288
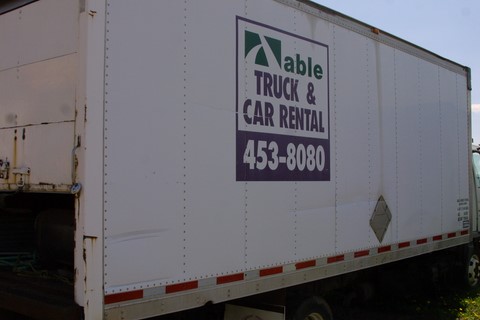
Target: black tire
314, 308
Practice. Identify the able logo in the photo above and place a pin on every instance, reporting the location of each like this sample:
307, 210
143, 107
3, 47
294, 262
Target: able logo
253, 41
282, 111
265, 47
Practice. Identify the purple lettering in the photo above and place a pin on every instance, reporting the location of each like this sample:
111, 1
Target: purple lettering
267, 84
258, 114
268, 114
283, 116
247, 104
293, 90
284, 87
322, 128
314, 124
299, 118
258, 75
291, 118
307, 118
277, 86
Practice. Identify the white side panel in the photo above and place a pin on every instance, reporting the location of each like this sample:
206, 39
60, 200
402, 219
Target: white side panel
270, 222
269, 212
90, 96
43, 30
214, 239
315, 222
315, 202
144, 111
430, 155
177, 149
181, 215
385, 66
464, 152
281, 216
41, 92
356, 132
45, 149
408, 146
38, 78
452, 189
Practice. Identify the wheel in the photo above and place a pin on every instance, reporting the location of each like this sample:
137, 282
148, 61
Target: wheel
314, 308
473, 269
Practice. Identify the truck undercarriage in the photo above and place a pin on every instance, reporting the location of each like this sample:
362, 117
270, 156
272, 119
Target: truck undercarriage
36, 255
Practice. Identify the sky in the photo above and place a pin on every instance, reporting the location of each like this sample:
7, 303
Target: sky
449, 28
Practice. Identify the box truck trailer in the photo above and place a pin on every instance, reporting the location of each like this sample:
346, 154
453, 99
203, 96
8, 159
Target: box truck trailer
160, 156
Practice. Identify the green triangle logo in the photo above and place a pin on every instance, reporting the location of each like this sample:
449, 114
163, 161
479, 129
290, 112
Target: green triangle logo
254, 42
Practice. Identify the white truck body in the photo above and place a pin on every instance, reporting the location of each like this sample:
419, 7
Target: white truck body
223, 149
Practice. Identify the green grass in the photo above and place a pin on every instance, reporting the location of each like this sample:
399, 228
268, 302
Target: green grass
461, 305
405, 293
414, 291
469, 307
445, 304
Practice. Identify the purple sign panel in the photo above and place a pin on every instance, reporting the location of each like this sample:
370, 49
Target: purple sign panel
282, 109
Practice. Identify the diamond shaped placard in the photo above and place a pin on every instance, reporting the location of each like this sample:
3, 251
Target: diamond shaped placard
380, 219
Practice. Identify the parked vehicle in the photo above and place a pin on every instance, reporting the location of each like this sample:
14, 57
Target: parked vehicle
161, 156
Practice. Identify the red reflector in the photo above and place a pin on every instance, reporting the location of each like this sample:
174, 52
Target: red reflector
336, 259
181, 287
451, 235
271, 271
421, 241
464, 232
230, 278
123, 296
437, 238
384, 249
404, 244
305, 264
363, 253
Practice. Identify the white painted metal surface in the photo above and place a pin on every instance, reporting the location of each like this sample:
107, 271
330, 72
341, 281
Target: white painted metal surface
48, 28
90, 123
38, 83
190, 193
172, 146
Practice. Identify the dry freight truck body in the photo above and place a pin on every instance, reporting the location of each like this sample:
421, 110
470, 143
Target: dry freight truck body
159, 156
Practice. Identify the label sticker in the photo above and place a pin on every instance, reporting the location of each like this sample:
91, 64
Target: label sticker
282, 107
463, 212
